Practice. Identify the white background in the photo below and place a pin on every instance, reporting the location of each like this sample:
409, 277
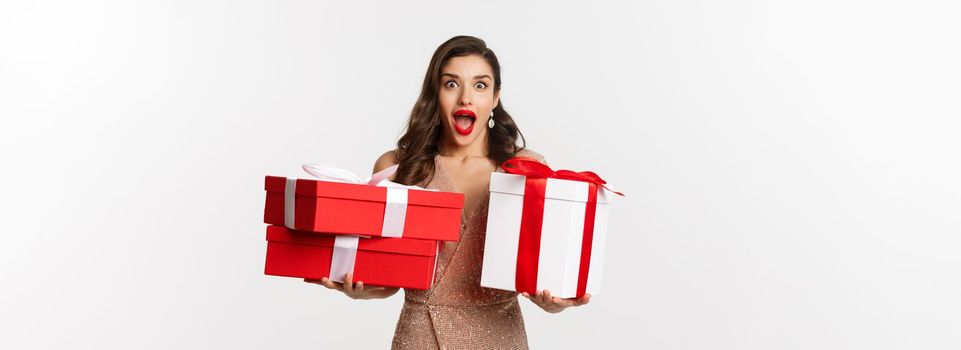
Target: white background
791, 168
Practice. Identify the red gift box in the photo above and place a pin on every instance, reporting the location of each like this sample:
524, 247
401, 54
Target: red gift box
392, 262
346, 208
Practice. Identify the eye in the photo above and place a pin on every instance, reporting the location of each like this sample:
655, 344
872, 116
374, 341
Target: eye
450, 84
480, 85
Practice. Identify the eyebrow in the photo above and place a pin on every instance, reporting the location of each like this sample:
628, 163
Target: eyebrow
476, 77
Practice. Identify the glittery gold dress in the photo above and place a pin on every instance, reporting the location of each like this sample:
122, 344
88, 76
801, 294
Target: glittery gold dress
457, 313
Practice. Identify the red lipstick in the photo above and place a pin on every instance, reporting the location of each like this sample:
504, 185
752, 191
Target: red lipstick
464, 121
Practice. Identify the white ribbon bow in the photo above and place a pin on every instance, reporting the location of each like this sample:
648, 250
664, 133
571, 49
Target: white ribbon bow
329, 173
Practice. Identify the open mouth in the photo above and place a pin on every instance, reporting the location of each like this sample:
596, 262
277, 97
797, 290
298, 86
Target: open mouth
464, 121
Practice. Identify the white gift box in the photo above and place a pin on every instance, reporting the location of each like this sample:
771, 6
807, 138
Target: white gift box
559, 259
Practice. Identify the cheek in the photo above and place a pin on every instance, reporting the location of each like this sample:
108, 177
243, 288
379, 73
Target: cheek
446, 102
486, 99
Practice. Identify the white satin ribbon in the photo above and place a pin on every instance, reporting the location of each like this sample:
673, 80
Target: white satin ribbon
290, 195
395, 212
344, 256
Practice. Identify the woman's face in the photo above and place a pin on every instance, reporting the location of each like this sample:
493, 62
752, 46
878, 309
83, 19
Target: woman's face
466, 98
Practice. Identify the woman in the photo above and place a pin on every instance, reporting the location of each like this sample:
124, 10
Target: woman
458, 133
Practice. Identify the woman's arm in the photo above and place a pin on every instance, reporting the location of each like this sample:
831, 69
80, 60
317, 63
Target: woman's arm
385, 161
358, 290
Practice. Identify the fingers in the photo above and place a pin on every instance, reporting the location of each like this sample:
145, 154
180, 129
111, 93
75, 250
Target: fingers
546, 302
583, 300
372, 288
562, 302
326, 282
361, 287
534, 298
541, 298
333, 285
353, 290
586, 298
550, 303
545, 297
557, 301
348, 283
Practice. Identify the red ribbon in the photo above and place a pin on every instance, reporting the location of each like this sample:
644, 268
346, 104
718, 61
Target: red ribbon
532, 219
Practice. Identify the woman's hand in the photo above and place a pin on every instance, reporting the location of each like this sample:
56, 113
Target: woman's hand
555, 304
355, 290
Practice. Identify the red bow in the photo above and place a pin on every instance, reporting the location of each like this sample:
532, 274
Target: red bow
533, 169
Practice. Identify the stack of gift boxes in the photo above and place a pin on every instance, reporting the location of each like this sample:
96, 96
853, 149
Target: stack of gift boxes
385, 234
546, 229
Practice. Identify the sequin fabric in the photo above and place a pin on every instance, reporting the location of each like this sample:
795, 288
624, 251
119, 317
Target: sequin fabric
457, 313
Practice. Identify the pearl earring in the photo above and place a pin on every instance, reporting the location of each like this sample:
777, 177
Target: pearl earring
490, 122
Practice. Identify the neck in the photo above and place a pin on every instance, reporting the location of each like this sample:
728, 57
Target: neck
476, 149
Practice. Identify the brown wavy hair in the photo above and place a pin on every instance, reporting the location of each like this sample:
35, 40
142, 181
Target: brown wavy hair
420, 143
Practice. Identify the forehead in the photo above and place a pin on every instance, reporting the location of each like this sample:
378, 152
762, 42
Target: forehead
467, 66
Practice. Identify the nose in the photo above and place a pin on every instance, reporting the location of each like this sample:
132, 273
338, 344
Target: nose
465, 98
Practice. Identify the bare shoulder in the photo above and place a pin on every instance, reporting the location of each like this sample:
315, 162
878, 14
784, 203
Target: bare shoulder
531, 154
385, 160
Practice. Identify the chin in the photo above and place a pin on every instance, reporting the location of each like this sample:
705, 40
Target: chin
464, 140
